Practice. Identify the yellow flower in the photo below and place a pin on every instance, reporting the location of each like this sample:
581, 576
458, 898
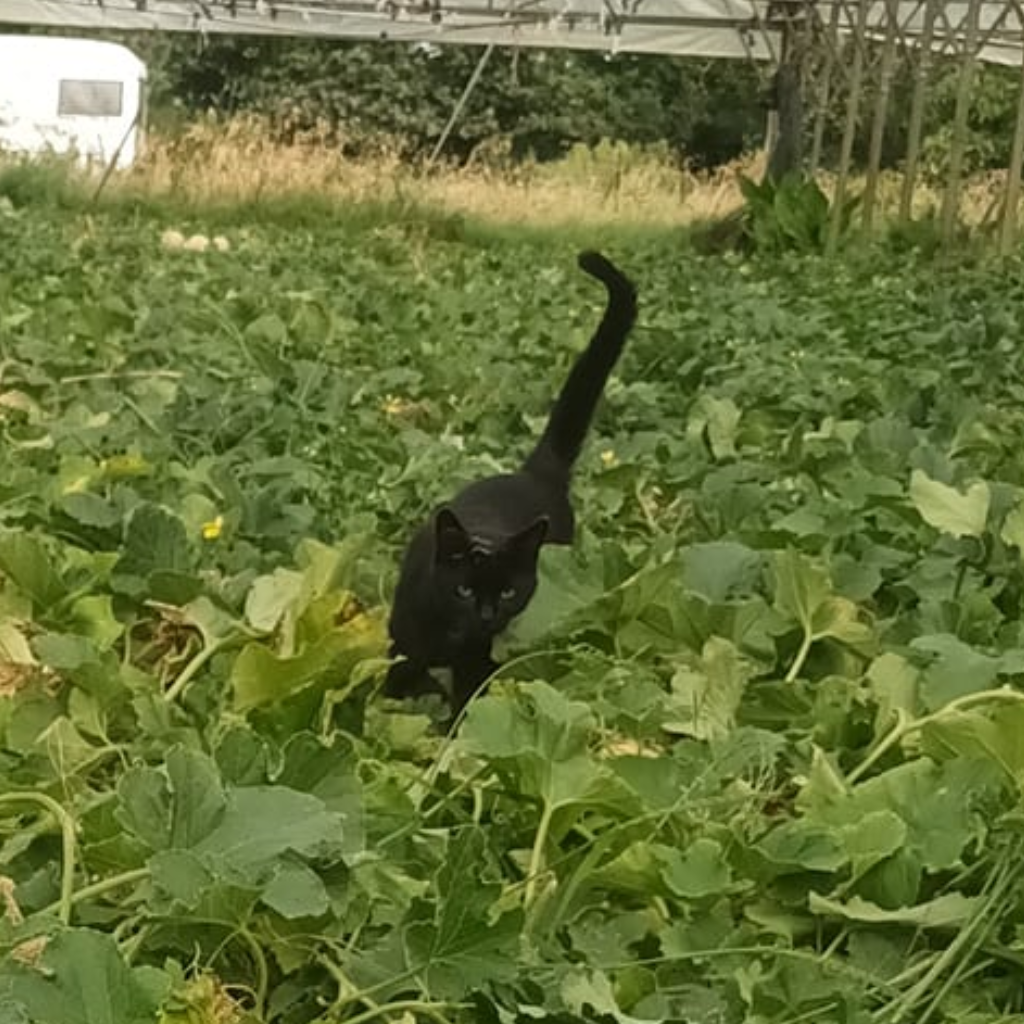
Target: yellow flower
212, 529
609, 458
393, 406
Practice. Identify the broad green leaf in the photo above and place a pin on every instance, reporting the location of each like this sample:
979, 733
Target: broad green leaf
259, 676
566, 588
90, 510
25, 561
934, 801
697, 871
144, 799
636, 870
296, 891
801, 587
154, 540
93, 617
174, 809
950, 910
467, 942
955, 669
540, 741
81, 978
803, 591
877, 835
947, 509
180, 877
14, 645
197, 797
722, 420
262, 823
707, 696
64, 651
587, 992
719, 570
894, 684
272, 597
993, 733
1013, 528
68, 750
804, 844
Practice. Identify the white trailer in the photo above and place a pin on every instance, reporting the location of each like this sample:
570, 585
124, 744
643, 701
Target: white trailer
74, 96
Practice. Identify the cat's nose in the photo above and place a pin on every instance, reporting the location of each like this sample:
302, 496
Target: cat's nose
487, 612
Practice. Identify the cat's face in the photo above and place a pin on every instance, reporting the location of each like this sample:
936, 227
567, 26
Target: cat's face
483, 587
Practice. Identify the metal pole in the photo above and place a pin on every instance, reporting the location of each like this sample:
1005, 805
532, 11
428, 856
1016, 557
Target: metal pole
850, 127
892, 13
958, 146
825, 90
1011, 200
917, 107
460, 104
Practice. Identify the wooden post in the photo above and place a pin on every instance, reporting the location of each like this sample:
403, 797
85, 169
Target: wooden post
825, 88
892, 18
849, 128
922, 75
958, 145
1011, 201
786, 155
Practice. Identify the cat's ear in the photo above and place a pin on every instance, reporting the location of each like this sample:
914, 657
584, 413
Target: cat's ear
452, 542
527, 543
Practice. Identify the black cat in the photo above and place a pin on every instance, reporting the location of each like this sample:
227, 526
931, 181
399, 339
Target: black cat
473, 566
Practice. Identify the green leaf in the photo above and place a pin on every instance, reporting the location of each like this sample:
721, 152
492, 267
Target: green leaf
263, 823
954, 669
259, 676
950, 910
82, 979
272, 597
25, 561
801, 587
180, 876
992, 733
197, 797
803, 591
719, 570
540, 741
154, 540
698, 871
947, 509
804, 844
1013, 528
894, 684
468, 943
707, 697
296, 891
90, 510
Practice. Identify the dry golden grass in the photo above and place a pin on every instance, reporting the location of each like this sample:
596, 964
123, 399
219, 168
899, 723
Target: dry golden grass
239, 162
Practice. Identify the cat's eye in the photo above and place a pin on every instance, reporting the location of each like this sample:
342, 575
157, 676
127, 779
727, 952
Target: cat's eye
463, 591
508, 593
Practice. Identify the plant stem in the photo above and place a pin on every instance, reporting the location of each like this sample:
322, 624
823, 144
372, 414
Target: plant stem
105, 885
801, 657
905, 726
186, 675
417, 1006
537, 853
67, 830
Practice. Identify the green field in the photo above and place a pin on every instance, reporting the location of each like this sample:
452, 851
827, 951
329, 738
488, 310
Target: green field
757, 752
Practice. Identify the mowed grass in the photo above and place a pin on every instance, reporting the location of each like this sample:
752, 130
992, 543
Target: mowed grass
755, 753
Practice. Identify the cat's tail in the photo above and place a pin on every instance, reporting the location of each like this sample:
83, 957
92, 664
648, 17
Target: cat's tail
570, 418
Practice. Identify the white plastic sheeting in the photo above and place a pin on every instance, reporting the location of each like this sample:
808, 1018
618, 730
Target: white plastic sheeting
739, 29
707, 28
